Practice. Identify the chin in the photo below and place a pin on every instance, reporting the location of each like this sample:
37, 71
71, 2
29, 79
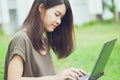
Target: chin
50, 30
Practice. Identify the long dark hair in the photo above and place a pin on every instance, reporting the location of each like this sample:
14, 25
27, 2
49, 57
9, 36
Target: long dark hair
61, 40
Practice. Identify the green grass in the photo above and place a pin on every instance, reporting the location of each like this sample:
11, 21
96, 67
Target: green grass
89, 41
4, 41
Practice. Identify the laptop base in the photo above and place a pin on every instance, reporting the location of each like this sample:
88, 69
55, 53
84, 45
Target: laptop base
87, 77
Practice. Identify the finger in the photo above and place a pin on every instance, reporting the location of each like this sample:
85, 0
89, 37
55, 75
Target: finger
70, 73
76, 71
70, 78
74, 74
82, 71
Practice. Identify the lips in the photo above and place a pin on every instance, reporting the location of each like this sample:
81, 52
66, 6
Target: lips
54, 26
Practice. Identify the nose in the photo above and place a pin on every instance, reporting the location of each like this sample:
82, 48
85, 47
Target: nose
58, 21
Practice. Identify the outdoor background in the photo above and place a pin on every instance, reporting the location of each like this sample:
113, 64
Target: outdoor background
93, 26
89, 41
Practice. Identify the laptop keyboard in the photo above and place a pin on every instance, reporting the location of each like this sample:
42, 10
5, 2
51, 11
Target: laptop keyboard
84, 77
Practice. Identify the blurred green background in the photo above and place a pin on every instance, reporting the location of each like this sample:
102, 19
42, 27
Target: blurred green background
89, 41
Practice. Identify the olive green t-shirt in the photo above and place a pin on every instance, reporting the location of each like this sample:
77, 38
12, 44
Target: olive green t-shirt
35, 64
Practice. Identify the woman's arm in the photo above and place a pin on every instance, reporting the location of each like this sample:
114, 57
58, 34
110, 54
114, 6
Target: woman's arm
15, 68
15, 71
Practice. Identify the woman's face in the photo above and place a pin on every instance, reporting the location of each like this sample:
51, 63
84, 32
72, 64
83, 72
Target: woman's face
52, 17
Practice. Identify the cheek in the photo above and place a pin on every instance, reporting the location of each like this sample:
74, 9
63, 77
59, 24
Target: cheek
45, 19
49, 19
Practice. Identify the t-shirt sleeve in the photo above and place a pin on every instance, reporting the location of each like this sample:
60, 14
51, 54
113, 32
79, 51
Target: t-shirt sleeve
17, 47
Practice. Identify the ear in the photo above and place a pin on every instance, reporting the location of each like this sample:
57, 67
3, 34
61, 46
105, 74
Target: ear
41, 7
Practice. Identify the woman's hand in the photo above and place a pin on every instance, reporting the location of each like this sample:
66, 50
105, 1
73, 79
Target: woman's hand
70, 74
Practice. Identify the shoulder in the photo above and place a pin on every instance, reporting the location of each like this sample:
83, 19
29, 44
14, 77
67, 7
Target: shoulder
20, 36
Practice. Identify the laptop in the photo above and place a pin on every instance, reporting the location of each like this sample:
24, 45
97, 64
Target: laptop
101, 62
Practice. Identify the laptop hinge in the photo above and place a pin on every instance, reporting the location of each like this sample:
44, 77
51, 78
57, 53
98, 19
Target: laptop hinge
97, 76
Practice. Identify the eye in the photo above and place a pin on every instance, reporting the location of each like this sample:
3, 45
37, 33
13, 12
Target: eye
57, 14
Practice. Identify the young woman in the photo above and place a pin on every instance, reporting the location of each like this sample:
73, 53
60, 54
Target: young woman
49, 24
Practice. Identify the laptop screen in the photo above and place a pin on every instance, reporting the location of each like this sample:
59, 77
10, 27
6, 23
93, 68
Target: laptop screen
98, 69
